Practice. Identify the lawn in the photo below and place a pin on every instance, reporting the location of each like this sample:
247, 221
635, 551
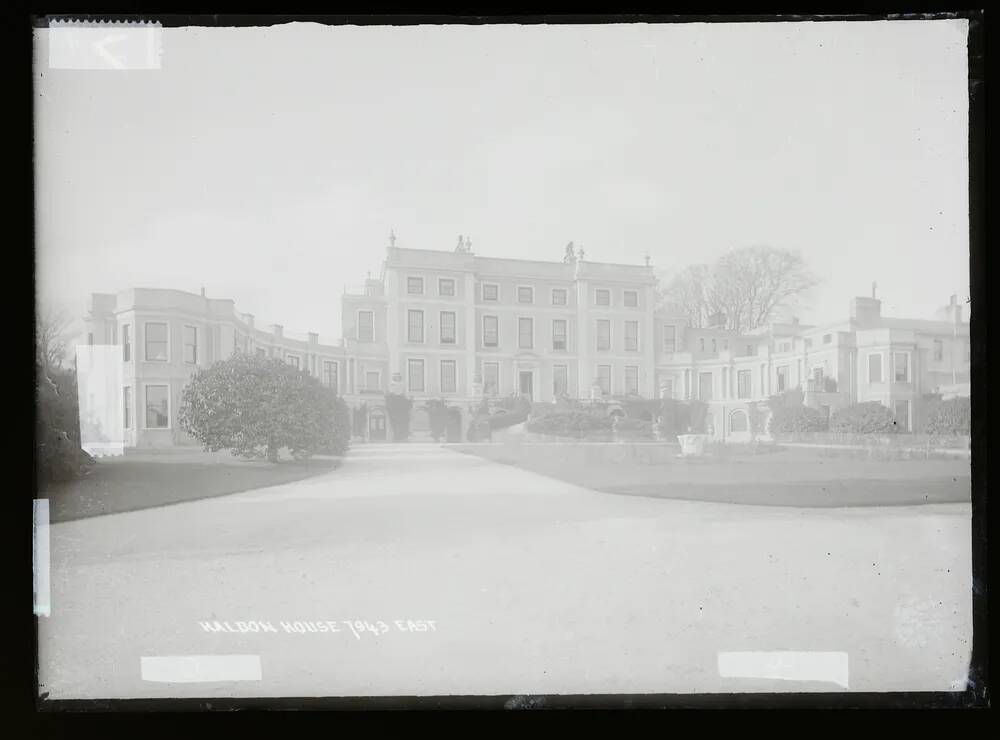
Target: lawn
786, 477
142, 480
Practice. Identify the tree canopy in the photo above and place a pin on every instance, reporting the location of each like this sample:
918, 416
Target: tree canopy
745, 288
255, 406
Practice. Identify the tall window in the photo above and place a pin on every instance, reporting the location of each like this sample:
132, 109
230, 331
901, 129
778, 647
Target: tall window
330, 374
631, 298
446, 286
373, 379
366, 326
415, 375
448, 376
156, 342
714, 346
968, 351
491, 292
157, 406
809, 343
603, 334
491, 331
602, 297
191, 345
559, 334
525, 333
126, 342
415, 325
293, 361
669, 338
604, 379
560, 380
525, 294
874, 368
667, 388
701, 343
261, 352
447, 327
127, 406
415, 285
763, 380
827, 338
750, 350
743, 384
705, 386
632, 379
782, 378
901, 363
631, 336
558, 296
491, 378
938, 350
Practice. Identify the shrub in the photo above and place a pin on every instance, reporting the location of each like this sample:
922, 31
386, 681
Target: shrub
254, 406
645, 409
951, 417
633, 427
697, 416
340, 437
793, 397
453, 428
869, 417
570, 424
58, 455
437, 414
502, 421
791, 419
397, 408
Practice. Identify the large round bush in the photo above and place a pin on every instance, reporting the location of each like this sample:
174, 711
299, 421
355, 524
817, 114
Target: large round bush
570, 424
951, 417
795, 419
870, 417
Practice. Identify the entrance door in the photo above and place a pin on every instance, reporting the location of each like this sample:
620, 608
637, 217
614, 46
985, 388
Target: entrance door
526, 378
376, 425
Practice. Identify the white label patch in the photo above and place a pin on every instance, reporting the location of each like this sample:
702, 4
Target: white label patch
200, 668
104, 46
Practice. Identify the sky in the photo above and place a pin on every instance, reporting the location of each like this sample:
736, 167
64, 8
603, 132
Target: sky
269, 165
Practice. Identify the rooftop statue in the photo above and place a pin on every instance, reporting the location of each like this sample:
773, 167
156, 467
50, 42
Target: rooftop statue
570, 256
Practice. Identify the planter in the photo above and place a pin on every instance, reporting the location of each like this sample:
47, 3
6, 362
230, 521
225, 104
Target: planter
692, 444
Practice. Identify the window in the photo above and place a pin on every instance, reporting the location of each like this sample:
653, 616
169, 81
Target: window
750, 350
938, 350
525, 294
366, 326
191, 345
558, 296
491, 378
525, 333
293, 361
784, 346
447, 376
901, 410
738, 421
743, 384
632, 380
874, 368
631, 298
631, 336
782, 378
559, 334
604, 379
715, 347
126, 342
261, 352
156, 342
415, 375
447, 327
127, 405
901, 365
446, 286
603, 297
415, 325
415, 285
818, 377
560, 380
373, 379
667, 388
705, 386
809, 343
701, 343
827, 338
330, 374
669, 338
603, 334
491, 291
491, 331
90, 339
157, 407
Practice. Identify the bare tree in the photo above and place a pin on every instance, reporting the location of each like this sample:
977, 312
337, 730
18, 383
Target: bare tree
747, 286
52, 336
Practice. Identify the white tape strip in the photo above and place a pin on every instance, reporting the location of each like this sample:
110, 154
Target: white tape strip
786, 666
104, 46
200, 668
40, 557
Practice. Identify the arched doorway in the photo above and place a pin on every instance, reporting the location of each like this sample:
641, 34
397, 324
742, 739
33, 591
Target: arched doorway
377, 425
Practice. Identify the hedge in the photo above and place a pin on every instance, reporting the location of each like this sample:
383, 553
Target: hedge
569, 424
870, 417
791, 419
951, 417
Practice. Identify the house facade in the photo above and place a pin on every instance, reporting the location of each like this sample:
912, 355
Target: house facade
456, 326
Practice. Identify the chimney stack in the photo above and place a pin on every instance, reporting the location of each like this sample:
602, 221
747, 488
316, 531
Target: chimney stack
203, 292
313, 338
278, 330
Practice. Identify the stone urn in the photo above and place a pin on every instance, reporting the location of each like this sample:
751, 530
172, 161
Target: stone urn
692, 445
